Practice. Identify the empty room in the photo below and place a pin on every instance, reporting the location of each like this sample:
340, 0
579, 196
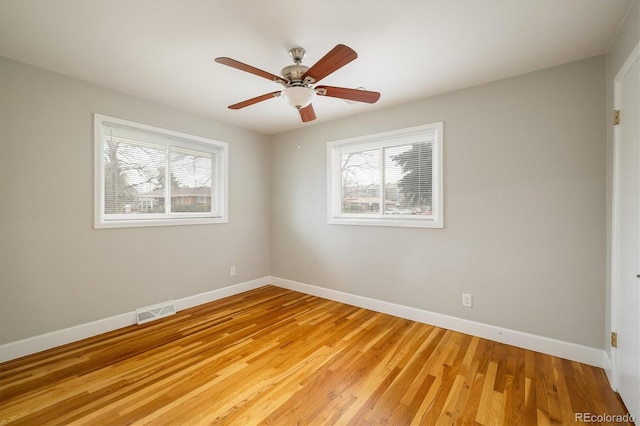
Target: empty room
319, 212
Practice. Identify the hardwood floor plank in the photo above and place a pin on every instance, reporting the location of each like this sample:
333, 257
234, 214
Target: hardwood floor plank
515, 402
274, 356
465, 393
449, 407
430, 349
484, 406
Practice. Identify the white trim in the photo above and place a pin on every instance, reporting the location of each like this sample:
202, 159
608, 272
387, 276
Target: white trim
607, 366
210, 296
612, 371
159, 222
42, 342
559, 348
571, 351
35, 344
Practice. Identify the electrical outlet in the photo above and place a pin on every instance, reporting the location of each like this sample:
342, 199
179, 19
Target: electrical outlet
467, 301
232, 271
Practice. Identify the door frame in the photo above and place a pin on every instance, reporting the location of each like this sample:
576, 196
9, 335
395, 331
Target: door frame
615, 301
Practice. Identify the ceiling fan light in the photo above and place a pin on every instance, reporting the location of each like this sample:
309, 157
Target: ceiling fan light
298, 97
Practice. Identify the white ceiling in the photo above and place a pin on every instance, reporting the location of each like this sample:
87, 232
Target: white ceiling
407, 50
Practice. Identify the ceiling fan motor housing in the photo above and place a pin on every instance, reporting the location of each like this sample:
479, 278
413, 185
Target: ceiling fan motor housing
294, 73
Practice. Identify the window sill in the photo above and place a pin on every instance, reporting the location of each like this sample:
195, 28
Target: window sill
394, 222
110, 224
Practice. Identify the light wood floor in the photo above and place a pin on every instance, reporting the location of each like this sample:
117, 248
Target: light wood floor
273, 356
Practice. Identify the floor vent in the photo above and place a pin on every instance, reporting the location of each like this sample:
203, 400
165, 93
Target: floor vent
154, 312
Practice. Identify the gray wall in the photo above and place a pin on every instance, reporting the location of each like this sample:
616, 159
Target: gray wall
524, 179
56, 271
524, 232
626, 40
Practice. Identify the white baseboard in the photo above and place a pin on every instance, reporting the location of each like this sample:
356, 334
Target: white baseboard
559, 348
210, 296
35, 344
567, 350
42, 342
607, 365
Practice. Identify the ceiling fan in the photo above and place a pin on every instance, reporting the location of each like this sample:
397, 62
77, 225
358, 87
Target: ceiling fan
298, 79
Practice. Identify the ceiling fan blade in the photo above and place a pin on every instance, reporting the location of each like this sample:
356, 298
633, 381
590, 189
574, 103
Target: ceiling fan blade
255, 100
337, 57
248, 68
307, 113
350, 94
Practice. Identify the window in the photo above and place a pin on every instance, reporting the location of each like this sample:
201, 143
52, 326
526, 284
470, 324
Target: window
147, 176
387, 179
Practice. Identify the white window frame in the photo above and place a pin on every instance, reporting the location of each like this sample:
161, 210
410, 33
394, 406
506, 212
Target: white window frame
177, 139
428, 132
